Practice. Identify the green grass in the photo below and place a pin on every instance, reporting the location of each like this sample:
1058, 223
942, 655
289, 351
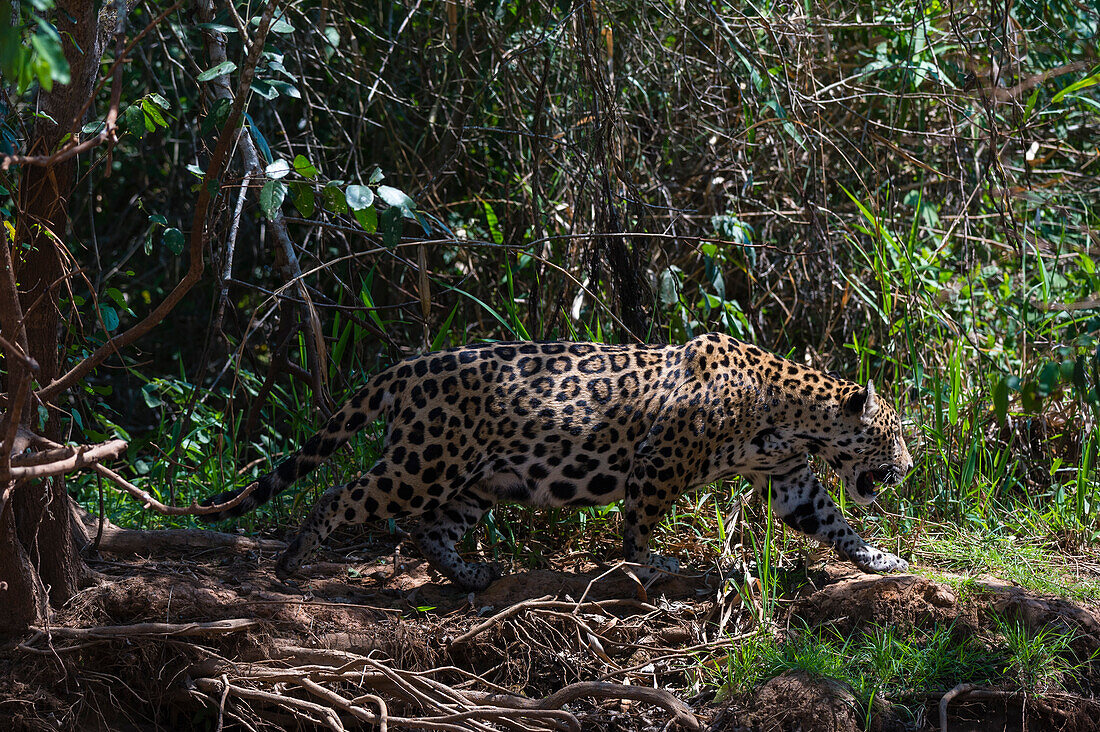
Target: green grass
906, 667
1025, 561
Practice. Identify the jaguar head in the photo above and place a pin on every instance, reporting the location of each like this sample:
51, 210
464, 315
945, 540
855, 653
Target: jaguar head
869, 450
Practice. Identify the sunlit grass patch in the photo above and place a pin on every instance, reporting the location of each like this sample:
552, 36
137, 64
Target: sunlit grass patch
1025, 561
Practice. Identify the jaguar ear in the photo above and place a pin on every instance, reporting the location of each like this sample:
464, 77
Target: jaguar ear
864, 403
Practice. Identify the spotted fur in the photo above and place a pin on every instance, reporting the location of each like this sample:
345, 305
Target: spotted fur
582, 424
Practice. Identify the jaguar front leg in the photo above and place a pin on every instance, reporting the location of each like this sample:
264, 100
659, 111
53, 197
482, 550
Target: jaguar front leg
799, 499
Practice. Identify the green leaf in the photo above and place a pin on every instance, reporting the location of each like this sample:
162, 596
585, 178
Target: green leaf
376, 176
1080, 375
494, 223
302, 196
1048, 378
217, 27
1000, 400
278, 169
133, 120
110, 317
225, 67
286, 88
304, 168
332, 35
334, 199
149, 394
151, 110
173, 239
92, 128
48, 45
367, 218
444, 330
278, 25
1030, 397
261, 141
392, 226
398, 199
116, 294
216, 117
271, 197
423, 223
1090, 80
359, 197
264, 89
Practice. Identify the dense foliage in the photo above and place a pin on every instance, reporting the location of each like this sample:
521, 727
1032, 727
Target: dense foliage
902, 192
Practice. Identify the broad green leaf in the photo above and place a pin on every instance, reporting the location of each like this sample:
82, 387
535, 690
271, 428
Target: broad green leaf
149, 394
398, 199
278, 169
216, 117
303, 197
173, 239
152, 111
110, 317
116, 294
225, 67
217, 27
286, 88
271, 197
278, 25
367, 218
264, 89
359, 197
376, 176
48, 45
304, 168
334, 199
391, 225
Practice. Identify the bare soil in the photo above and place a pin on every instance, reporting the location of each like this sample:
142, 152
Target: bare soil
210, 640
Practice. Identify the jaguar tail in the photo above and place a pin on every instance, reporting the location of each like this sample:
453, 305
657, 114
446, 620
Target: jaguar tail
354, 415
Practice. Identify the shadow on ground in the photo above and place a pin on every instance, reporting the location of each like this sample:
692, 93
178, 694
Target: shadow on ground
212, 639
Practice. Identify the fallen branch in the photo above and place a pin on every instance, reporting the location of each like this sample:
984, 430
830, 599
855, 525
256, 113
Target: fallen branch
211, 628
61, 460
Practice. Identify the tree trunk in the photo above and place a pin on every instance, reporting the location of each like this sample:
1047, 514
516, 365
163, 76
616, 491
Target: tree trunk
41, 509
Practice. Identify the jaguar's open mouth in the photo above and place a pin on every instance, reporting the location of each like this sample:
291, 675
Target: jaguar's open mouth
866, 483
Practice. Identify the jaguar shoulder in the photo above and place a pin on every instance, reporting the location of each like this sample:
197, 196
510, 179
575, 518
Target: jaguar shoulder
577, 424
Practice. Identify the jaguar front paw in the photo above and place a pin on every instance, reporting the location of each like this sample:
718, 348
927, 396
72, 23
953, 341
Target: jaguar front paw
475, 576
657, 566
870, 559
290, 561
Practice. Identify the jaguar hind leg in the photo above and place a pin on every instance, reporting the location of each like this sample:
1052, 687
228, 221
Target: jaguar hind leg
379, 494
442, 527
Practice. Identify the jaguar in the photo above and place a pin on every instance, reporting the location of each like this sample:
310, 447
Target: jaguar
587, 424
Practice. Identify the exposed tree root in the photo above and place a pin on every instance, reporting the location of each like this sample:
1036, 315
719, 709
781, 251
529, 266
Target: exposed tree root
363, 681
117, 540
